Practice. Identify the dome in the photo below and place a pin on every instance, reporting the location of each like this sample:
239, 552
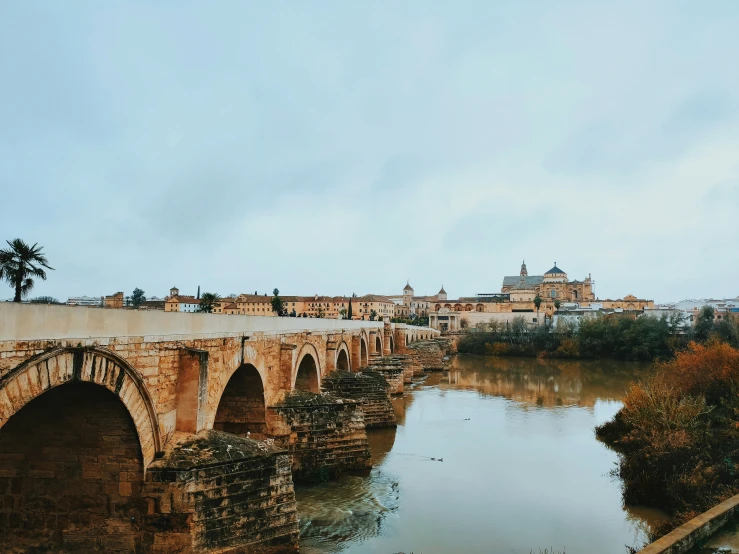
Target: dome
442, 291
407, 287
555, 270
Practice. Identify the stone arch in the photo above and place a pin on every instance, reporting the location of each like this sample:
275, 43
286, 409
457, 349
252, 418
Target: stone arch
406, 340
342, 358
92, 365
78, 472
378, 344
241, 408
307, 374
363, 353
392, 344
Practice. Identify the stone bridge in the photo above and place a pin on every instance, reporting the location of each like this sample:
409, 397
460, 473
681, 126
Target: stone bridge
132, 431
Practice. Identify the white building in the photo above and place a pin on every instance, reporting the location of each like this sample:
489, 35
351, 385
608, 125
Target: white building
86, 301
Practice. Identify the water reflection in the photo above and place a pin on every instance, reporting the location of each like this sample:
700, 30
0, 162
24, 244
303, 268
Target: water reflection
353, 508
521, 467
546, 382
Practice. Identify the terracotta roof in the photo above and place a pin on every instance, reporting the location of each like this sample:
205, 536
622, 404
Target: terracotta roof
251, 298
184, 299
374, 298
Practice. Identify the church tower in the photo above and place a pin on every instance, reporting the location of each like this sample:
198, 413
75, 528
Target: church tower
524, 272
407, 294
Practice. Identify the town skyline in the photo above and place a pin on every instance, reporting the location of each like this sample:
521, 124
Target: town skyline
49, 288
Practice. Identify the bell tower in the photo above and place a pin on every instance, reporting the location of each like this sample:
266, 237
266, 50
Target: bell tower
524, 272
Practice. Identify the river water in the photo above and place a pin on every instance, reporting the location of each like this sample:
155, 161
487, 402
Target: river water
497, 455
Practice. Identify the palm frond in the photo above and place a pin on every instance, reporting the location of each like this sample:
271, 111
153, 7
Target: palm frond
27, 286
36, 272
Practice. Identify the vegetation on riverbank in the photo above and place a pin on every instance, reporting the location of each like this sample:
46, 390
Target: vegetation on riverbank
678, 433
619, 337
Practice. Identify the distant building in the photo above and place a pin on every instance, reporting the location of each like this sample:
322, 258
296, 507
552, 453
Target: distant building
86, 301
363, 306
517, 299
182, 304
152, 304
177, 302
115, 301
408, 303
690, 309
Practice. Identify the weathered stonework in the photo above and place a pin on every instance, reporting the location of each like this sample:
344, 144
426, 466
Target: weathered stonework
71, 475
371, 390
215, 492
324, 435
430, 354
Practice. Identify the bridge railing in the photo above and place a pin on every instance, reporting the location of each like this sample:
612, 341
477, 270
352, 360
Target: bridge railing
49, 322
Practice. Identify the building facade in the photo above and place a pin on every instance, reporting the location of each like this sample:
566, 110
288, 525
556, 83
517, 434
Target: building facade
177, 302
517, 298
86, 301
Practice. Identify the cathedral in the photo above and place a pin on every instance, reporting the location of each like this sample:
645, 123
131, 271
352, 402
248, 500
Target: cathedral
553, 285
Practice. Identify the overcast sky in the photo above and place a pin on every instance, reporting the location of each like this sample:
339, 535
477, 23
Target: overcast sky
339, 147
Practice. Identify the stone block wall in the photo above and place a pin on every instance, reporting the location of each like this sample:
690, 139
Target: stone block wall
430, 354
326, 435
371, 390
71, 474
393, 376
215, 492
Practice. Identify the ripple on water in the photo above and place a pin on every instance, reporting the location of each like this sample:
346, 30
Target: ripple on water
349, 510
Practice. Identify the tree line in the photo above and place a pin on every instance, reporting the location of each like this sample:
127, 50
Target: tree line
616, 336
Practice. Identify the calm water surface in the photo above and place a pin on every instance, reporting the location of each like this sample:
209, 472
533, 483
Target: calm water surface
521, 467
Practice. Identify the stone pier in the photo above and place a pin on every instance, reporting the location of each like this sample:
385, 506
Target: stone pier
371, 390
430, 354
324, 435
216, 492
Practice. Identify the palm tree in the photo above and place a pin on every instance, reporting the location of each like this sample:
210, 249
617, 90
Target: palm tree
207, 302
21, 262
537, 303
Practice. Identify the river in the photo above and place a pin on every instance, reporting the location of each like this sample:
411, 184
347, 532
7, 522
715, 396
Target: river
496, 455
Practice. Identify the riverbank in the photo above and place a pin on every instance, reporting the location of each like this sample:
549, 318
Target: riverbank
678, 434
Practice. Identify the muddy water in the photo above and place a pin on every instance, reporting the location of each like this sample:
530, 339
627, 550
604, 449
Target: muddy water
495, 455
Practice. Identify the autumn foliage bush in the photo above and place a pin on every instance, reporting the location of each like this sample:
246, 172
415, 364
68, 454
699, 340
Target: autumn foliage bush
678, 432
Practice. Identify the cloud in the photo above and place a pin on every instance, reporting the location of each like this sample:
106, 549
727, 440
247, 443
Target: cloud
333, 148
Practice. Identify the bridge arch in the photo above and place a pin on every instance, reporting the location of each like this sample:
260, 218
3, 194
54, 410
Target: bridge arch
392, 344
378, 344
98, 487
307, 374
95, 365
242, 409
363, 352
342, 357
